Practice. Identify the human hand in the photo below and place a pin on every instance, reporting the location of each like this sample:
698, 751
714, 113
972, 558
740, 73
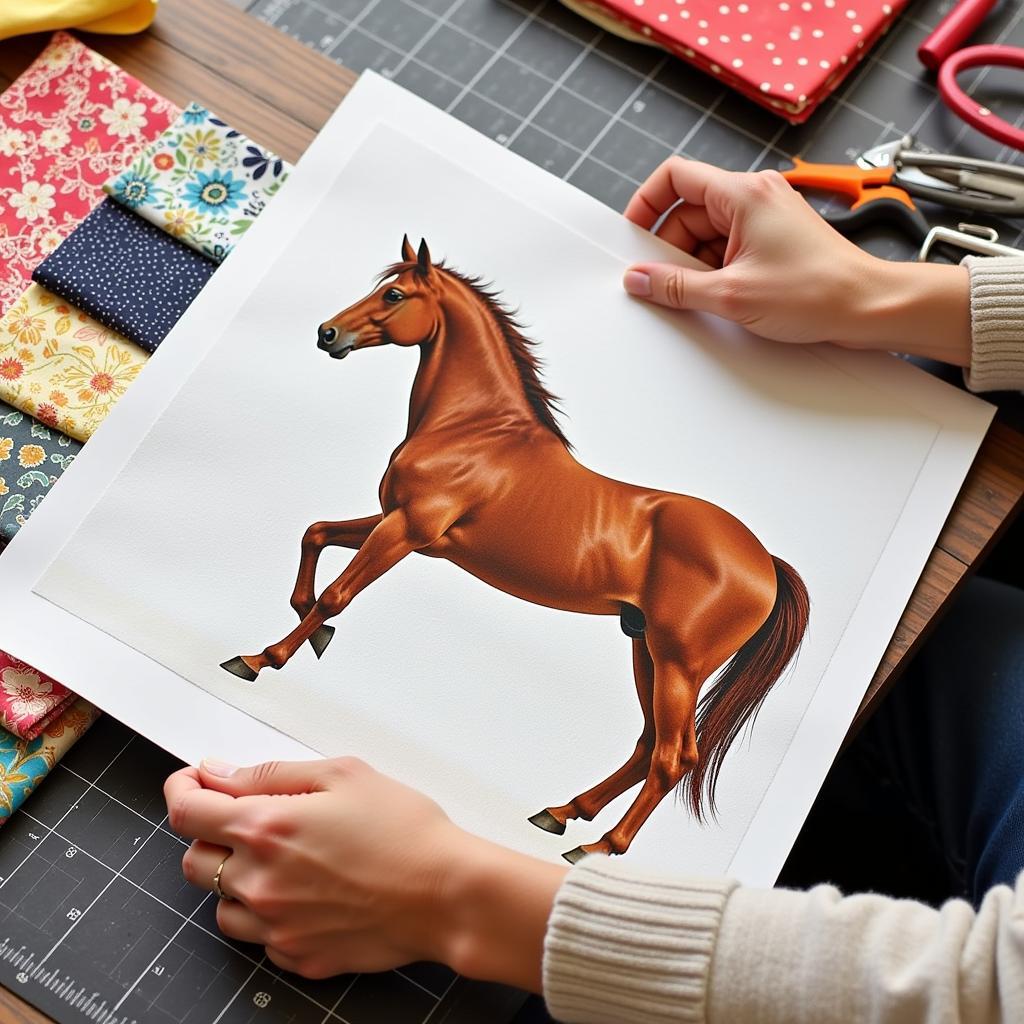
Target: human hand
336, 868
781, 271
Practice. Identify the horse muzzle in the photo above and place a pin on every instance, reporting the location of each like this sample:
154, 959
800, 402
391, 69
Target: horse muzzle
337, 344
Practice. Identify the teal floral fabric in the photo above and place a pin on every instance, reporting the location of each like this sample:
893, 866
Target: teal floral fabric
25, 763
32, 458
201, 181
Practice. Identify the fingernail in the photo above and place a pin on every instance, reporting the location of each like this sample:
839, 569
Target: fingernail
221, 769
637, 283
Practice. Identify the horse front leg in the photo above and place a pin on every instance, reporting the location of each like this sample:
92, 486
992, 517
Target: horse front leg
385, 546
675, 753
587, 805
351, 533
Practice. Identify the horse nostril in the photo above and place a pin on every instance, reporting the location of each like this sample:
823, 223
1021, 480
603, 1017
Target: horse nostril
327, 335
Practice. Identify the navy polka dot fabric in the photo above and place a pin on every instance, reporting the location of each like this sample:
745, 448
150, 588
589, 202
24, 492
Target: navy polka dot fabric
126, 273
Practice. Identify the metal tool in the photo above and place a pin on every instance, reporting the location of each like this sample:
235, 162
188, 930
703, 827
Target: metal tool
942, 52
976, 238
961, 181
884, 179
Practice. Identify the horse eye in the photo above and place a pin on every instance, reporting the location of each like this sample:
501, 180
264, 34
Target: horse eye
393, 295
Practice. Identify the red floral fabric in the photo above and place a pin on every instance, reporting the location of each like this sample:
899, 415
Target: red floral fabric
66, 125
787, 55
29, 700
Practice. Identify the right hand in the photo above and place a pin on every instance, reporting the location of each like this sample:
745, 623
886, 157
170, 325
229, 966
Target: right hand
783, 273
779, 268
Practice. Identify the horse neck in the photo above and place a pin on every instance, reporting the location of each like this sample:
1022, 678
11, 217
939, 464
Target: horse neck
466, 374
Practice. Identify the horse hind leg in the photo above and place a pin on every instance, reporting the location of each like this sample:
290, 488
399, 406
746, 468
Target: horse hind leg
587, 805
674, 754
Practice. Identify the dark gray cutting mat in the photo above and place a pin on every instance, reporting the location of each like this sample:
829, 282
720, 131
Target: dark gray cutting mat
602, 113
95, 920
97, 923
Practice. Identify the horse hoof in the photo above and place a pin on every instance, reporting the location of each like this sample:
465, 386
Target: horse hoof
547, 821
576, 855
238, 667
320, 639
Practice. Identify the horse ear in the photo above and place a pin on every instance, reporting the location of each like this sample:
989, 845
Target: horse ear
423, 257
408, 255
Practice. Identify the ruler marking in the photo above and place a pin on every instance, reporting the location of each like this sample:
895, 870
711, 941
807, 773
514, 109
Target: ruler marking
195, 924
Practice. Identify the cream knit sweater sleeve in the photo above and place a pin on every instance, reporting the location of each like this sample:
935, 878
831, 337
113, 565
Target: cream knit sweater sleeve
623, 947
997, 323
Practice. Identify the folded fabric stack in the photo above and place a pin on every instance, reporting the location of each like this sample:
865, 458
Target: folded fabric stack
24, 763
66, 125
41, 721
787, 56
119, 208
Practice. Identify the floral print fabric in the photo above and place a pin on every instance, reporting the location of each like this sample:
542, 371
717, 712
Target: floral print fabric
25, 763
29, 700
127, 274
32, 459
66, 125
201, 181
61, 366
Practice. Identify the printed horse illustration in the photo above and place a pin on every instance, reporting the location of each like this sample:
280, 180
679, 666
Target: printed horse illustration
486, 478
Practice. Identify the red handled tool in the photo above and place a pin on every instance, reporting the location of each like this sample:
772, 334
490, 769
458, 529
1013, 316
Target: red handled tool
886, 179
941, 52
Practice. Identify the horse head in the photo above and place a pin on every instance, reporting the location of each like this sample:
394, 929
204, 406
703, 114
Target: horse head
401, 310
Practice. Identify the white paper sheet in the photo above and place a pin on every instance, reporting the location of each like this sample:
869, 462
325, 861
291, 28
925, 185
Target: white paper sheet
183, 548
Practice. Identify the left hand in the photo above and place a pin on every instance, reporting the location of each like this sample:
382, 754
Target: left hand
330, 865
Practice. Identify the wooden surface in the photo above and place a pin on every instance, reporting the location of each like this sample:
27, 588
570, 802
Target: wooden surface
279, 92
990, 498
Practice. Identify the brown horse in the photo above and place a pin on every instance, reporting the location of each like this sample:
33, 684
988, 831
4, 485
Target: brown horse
485, 478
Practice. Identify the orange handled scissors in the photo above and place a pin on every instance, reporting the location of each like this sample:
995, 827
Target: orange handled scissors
885, 179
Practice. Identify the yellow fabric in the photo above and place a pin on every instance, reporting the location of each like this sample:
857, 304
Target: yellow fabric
118, 17
61, 366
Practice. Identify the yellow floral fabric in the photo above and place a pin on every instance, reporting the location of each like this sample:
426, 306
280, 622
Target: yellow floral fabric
61, 366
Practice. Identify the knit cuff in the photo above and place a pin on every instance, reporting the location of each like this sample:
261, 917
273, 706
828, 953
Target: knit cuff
997, 323
624, 946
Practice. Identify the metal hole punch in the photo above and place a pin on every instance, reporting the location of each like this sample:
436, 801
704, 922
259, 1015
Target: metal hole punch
974, 238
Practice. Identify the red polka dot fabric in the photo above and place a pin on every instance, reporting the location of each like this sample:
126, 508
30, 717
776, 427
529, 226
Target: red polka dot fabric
787, 55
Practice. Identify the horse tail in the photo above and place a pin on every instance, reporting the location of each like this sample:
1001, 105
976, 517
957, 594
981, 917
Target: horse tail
744, 682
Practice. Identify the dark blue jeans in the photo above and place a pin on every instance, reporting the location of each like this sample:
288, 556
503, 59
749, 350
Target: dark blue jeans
928, 802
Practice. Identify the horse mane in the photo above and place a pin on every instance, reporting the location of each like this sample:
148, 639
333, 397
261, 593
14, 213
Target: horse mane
527, 363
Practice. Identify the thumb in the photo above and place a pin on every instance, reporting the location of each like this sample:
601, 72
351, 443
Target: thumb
274, 778
668, 284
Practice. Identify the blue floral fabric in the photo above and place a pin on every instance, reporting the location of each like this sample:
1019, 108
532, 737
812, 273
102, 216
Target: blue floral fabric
126, 273
201, 181
25, 763
32, 458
